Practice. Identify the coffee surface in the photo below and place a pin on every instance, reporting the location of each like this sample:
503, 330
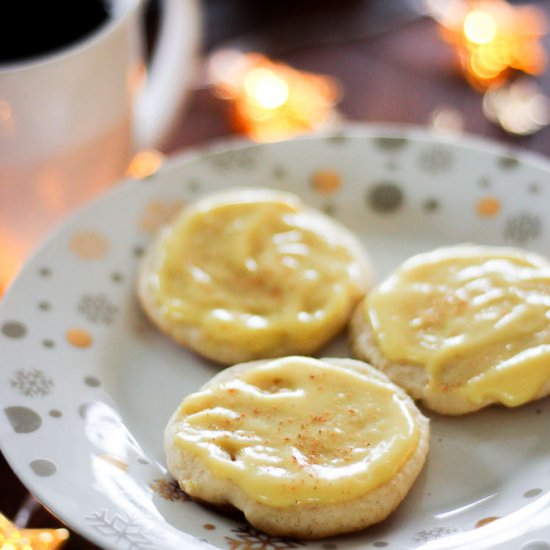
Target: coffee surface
34, 29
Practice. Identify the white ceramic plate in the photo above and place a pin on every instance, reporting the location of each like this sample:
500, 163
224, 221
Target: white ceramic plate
87, 384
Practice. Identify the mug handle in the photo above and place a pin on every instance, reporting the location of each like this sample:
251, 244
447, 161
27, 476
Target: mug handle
169, 72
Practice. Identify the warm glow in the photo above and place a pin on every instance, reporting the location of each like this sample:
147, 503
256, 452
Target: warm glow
520, 108
266, 88
495, 40
13, 255
12, 538
144, 164
480, 27
269, 100
5, 111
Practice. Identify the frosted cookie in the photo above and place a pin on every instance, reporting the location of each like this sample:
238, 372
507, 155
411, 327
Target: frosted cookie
306, 448
461, 327
250, 274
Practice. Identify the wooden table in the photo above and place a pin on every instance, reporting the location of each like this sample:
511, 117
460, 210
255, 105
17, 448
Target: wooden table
391, 63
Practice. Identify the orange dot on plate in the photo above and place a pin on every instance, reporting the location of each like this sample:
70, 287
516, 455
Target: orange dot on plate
326, 181
158, 213
487, 207
114, 461
79, 338
209, 526
485, 521
89, 245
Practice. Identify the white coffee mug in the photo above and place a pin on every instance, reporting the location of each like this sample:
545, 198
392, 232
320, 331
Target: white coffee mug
71, 120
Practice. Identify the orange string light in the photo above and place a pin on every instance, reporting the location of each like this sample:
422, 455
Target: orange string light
269, 100
494, 40
12, 538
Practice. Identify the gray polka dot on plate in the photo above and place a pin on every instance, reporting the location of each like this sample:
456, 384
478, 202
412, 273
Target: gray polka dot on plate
14, 329
385, 197
484, 182
532, 493
22, 419
84, 408
535, 545
431, 205
194, 185
92, 381
390, 143
117, 277
42, 467
508, 162
337, 139
279, 172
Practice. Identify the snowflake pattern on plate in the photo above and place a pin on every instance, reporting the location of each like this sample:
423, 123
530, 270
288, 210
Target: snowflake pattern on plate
522, 228
32, 383
426, 535
97, 308
390, 143
126, 532
436, 160
243, 159
249, 538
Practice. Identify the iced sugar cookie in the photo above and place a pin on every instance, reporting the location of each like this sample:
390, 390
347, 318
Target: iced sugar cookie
250, 274
304, 447
461, 327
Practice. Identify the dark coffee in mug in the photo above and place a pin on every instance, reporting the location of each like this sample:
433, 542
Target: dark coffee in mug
33, 29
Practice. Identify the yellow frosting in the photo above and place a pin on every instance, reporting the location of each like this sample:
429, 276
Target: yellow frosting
299, 430
258, 270
477, 318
